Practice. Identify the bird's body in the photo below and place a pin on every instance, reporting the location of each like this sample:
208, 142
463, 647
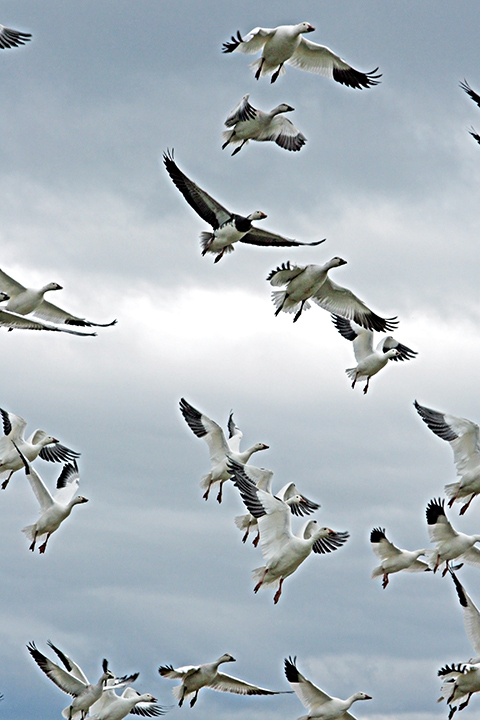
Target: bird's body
10, 38
394, 559
54, 509
463, 436
111, 706
23, 301
304, 282
450, 544
228, 228
460, 681
282, 551
195, 677
36, 445
320, 706
248, 123
220, 449
286, 44
299, 504
73, 681
369, 361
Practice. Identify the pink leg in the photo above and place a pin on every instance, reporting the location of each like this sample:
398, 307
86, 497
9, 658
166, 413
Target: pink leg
259, 584
466, 506
276, 597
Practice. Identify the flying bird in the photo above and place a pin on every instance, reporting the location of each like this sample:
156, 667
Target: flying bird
460, 681
286, 44
394, 559
248, 123
450, 543
111, 706
299, 504
12, 38
282, 551
228, 228
36, 445
220, 449
195, 677
369, 361
463, 436
319, 705
55, 508
73, 681
23, 301
305, 282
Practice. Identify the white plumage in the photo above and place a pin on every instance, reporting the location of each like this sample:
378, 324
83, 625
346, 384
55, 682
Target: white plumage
248, 123
450, 544
463, 436
394, 559
319, 705
286, 44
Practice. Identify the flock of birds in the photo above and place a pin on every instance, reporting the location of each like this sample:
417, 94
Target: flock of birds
269, 514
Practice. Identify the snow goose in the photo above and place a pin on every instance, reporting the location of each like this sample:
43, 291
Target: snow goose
54, 509
369, 361
111, 706
203, 427
318, 703
306, 282
12, 38
228, 228
450, 543
248, 123
73, 681
23, 301
393, 558
195, 677
299, 504
462, 680
286, 44
282, 551
36, 445
463, 436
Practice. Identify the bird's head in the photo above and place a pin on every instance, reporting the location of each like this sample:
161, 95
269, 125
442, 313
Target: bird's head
257, 215
306, 27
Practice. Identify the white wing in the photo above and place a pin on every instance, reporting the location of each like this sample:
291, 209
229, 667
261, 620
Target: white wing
251, 43
203, 427
471, 615
321, 60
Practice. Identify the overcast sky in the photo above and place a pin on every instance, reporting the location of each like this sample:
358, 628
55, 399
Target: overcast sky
147, 572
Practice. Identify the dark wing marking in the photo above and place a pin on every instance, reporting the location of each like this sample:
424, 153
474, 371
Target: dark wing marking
330, 543
12, 38
344, 328
58, 453
256, 236
209, 209
436, 422
435, 510
475, 97
229, 47
7, 425
248, 490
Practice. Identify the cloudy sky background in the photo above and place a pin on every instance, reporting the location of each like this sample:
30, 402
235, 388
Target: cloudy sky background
147, 573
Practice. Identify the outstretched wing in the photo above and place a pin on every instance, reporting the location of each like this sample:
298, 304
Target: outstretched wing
51, 313
341, 301
251, 43
256, 236
12, 38
475, 97
241, 113
204, 205
320, 59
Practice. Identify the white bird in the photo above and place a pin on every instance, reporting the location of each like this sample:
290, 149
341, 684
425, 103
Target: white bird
282, 551
19, 322
450, 543
286, 44
462, 680
318, 703
248, 123
369, 361
12, 38
220, 450
24, 301
306, 282
228, 228
394, 559
54, 509
73, 681
111, 706
195, 677
36, 445
463, 436
299, 504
